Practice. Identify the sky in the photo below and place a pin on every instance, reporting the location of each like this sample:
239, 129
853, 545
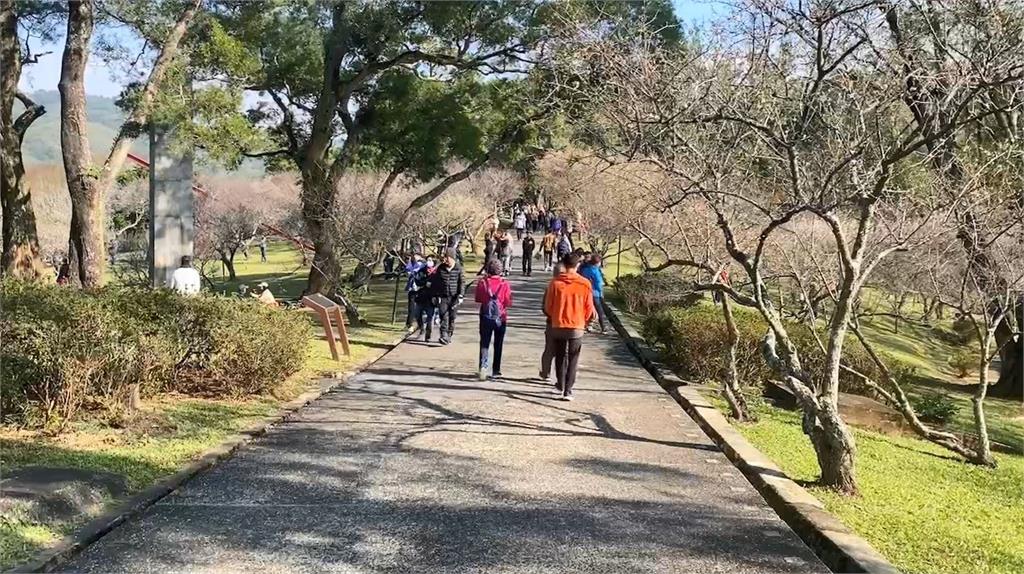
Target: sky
103, 79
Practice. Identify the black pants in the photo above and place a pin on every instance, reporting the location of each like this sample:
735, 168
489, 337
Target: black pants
489, 330
425, 317
413, 310
549, 259
527, 262
519, 233
549, 353
446, 306
567, 358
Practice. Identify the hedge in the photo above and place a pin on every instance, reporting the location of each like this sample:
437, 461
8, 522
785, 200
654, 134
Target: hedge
67, 351
693, 341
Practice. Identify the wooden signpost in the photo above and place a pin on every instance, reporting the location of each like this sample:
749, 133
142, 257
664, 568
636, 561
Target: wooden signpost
327, 310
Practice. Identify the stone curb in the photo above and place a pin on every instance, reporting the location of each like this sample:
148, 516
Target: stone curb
835, 544
50, 559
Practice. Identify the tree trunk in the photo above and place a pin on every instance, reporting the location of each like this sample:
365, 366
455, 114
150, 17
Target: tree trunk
20, 239
319, 200
983, 450
229, 264
731, 384
319, 205
1010, 384
835, 449
85, 241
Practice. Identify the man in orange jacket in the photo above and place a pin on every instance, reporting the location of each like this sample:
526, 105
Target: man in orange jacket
569, 305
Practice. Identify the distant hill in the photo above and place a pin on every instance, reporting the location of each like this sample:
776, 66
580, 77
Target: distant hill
42, 141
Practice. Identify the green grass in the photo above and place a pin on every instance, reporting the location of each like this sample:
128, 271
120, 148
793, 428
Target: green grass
283, 271
615, 266
175, 430
918, 347
921, 508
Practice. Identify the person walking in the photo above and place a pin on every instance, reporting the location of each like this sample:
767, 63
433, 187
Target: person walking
564, 246
426, 303
591, 271
547, 246
494, 295
505, 251
185, 279
446, 286
519, 222
415, 271
569, 303
263, 248
549, 346
528, 246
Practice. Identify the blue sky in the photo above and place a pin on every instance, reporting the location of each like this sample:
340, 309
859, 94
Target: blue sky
102, 79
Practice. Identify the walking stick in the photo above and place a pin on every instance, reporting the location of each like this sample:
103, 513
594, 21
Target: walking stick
394, 303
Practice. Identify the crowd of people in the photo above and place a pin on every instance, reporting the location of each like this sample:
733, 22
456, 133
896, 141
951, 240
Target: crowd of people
572, 300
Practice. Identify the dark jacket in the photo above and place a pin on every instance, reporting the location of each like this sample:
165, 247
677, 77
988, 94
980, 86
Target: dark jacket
528, 245
446, 282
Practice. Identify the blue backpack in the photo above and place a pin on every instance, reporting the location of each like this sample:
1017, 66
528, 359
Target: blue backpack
492, 309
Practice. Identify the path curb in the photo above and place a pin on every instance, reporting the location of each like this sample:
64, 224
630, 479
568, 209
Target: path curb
50, 559
837, 546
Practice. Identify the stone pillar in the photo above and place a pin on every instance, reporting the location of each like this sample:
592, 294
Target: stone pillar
171, 221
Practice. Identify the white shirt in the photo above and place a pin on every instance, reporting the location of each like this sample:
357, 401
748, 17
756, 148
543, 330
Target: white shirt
185, 280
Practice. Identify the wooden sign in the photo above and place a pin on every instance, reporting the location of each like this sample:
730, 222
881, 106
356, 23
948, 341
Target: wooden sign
327, 310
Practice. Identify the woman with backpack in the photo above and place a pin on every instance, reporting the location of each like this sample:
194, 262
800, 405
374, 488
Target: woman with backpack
494, 295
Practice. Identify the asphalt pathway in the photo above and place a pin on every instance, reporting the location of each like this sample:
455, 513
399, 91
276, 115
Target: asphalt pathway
416, 466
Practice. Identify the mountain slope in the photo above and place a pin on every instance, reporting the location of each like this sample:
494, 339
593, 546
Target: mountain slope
42, 140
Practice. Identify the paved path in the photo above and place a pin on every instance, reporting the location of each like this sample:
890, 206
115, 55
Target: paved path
415, 466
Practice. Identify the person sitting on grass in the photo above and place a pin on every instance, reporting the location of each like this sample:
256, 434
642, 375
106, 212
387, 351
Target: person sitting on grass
263, 295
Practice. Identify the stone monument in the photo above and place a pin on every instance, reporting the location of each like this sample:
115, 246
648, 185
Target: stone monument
171, 221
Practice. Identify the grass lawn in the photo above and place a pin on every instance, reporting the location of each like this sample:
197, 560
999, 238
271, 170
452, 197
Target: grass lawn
918, 347
615, 266
921, 508
173, 430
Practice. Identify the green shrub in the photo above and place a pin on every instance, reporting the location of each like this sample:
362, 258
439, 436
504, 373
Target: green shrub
963, 328
65, 350
935, 408
647, 292
964, 361
693, 340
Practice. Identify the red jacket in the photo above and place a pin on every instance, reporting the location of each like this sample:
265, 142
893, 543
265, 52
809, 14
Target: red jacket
500, 288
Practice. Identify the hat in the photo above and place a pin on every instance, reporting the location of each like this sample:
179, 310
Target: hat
263, 284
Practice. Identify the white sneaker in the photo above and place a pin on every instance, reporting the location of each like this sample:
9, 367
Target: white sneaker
567, 398
554, 391
482, 374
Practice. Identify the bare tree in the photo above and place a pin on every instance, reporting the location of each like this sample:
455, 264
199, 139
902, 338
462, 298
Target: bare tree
796, 114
